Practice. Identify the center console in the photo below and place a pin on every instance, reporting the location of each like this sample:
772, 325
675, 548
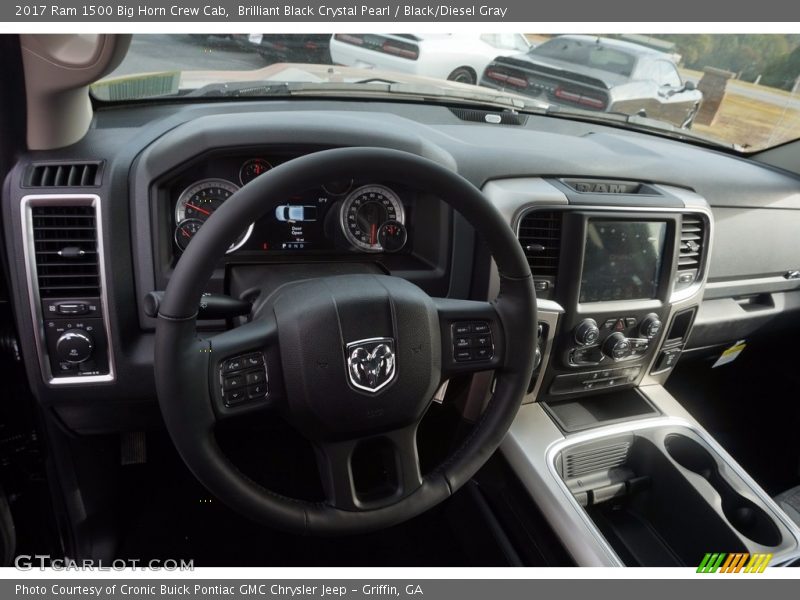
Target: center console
621, 471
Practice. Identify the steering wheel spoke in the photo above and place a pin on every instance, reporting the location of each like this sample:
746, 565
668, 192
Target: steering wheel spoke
372, 472
244, 368
472, 336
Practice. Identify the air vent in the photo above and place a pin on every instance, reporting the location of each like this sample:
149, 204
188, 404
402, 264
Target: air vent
503, 117
580, 463
540, 236
65, 243
77, 174
691, 250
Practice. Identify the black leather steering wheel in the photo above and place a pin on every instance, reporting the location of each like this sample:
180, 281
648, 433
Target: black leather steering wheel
393, 335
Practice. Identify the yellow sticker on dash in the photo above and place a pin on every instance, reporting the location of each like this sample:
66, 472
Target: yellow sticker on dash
730, 354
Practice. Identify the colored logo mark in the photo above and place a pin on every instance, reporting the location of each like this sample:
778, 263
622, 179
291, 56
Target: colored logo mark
737, 562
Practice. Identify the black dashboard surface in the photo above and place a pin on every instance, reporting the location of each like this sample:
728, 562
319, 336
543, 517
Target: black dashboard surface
141, 144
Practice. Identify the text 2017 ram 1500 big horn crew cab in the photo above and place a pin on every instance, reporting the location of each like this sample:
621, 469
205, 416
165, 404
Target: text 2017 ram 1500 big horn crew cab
302, 314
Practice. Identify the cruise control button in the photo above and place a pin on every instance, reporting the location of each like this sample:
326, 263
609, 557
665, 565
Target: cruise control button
463, 355
461, 328
483, 340
482, 353
480, 327
255, 377
235, 396
462, 342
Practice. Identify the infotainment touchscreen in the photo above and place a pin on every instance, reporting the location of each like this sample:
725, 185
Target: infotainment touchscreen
622, 260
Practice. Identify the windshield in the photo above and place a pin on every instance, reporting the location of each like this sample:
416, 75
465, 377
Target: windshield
738, 90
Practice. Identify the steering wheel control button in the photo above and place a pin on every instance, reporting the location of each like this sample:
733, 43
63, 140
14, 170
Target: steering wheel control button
472, 341
462, 329
255, 392
232, 365
462, 342
235, 396
255, 377
482, 353
253, 360
482, 327
243, 378
232, 382
463, 355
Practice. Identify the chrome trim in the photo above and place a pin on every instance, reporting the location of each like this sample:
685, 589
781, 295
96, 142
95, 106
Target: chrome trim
551, 319
31, 276
391, 367
183, 198
391, 195
534, 443
679, 296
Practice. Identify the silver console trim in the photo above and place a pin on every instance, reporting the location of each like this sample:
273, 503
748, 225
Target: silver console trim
26, 204
533, 443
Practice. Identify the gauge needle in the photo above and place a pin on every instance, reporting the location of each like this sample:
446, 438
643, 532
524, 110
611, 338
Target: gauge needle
373, 231
184, 233
198, 209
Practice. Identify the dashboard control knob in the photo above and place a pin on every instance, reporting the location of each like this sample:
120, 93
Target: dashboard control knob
74, 346
587, 332
537, 358
650, 326
617, 346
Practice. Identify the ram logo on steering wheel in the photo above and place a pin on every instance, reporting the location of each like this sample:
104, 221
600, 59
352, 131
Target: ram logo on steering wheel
370, 363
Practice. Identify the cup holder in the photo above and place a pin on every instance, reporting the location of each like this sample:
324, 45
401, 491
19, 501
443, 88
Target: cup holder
746, 517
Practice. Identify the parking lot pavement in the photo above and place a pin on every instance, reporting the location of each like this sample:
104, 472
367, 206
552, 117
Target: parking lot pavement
157, 52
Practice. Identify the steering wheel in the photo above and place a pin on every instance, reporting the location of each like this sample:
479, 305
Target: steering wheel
352, 361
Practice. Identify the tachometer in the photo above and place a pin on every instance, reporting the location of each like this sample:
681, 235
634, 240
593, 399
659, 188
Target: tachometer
200, 200
365, 210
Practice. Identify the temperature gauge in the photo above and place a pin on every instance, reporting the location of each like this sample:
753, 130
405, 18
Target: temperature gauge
252, 169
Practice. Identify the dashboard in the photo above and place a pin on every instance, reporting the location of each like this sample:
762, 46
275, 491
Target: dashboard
635, 241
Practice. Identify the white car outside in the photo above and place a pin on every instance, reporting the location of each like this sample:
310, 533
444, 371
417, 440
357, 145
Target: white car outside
458, 57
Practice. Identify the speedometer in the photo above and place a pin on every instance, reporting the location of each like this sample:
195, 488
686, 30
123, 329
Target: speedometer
199, 201
365, 210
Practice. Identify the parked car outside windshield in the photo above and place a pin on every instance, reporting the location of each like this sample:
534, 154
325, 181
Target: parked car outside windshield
738, 90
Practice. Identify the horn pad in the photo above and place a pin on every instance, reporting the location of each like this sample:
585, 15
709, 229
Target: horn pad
361, 354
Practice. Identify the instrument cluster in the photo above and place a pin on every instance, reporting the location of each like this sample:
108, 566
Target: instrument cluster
345, 215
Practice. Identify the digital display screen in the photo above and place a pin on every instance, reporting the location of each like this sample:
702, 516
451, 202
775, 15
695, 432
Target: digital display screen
622, 260
298, 224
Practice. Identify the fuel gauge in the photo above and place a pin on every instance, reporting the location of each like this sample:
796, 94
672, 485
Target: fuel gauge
185, 231
392, 236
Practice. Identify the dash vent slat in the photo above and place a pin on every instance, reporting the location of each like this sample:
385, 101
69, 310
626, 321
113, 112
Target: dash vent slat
65, 244
61, 175
692, 243
539, 234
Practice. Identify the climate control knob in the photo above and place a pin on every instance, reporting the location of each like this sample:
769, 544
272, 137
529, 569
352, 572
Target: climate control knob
74, 346
587, 332
650, 326
617, 346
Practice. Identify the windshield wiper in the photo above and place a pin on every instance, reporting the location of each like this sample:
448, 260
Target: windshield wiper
368, 88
